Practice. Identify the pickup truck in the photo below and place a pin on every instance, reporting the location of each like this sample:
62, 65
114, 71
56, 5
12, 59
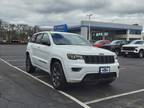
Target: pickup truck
135, 48
115, 46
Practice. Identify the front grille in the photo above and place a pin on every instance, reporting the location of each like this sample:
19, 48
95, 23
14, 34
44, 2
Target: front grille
98, 76
128, 48
99, 59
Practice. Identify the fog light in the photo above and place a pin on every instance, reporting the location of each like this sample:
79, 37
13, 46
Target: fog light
136, 50
76, 69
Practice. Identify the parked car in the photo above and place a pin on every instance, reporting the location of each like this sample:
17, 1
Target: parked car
115, 46
69, 58
135, 48
3, 41
100, 43
15, 41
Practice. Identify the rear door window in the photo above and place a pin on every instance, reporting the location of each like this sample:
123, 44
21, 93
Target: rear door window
45, 39
38, 38
33, 39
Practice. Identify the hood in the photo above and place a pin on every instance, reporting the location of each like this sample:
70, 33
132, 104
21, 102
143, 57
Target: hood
131, 45
83, 50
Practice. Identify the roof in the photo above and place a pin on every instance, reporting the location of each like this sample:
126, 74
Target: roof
53, 32
107, 25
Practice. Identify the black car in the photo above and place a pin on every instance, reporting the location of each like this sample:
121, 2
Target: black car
115, 46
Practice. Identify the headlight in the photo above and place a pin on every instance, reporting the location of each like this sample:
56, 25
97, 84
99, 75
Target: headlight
74, 56
136, 47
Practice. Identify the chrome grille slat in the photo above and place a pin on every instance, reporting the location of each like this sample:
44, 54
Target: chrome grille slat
128, 48
90, 59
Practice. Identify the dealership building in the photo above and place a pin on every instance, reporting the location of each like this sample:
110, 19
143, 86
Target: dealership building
103, 30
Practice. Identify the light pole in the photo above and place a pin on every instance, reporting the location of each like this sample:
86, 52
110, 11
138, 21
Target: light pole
89, 36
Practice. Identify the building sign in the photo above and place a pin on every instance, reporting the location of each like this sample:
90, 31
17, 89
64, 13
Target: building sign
99, 34
61, 28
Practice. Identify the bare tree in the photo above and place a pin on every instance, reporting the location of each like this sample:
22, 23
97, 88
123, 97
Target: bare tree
18, 32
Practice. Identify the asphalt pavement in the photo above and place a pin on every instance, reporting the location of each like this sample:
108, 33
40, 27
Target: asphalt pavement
18, 90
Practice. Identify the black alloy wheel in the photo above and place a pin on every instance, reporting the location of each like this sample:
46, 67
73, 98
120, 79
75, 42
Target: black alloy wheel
57, 76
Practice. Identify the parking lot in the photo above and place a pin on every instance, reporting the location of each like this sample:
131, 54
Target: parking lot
126, 92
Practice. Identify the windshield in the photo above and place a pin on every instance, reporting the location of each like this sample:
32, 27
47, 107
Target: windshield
137, 42
69, 39
116, 42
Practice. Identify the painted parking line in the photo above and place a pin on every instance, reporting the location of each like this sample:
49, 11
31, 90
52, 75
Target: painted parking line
18, 60
65, 94
12, 56
113, 97
20, 66
41, 76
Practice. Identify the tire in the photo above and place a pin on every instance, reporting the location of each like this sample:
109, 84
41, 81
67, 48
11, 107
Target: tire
117, 51
29, 67
57, 76
141, 54
124, 55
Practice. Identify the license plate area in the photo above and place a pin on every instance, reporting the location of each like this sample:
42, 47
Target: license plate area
104, 69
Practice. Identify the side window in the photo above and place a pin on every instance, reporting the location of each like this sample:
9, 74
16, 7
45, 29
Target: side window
107, 42
33, 38
102, 42
123, 42
38, 38
45, 39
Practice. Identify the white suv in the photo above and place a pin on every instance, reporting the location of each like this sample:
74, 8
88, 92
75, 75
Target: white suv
69, 58
135, 48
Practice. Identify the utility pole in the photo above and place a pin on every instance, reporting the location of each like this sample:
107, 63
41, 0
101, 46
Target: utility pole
89, 36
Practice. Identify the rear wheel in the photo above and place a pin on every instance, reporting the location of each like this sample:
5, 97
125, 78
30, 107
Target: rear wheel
29, 67
57, 76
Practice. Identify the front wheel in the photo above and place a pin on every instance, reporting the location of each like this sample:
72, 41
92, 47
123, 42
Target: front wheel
117, 51
141, 54
57, 76
124, 55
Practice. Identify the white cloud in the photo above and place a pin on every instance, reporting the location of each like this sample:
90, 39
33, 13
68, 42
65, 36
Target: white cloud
51, 12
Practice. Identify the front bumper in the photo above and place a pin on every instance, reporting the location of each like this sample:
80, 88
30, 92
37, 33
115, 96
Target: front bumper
90, 72
129, 52
98, 77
